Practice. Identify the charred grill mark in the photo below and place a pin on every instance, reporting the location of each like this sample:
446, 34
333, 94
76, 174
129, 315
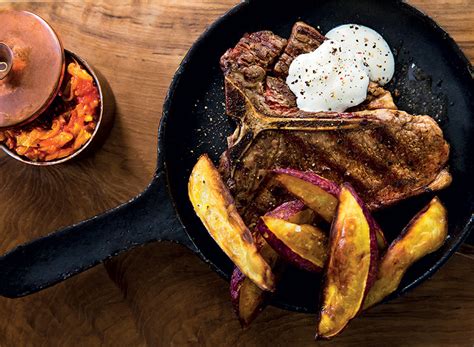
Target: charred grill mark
343, 161
326, 163
303, 39
265, 50
274, 52
385, 138
393, 149
256, 50
402, 157
307, 34
349, 142
372, 154
314, 160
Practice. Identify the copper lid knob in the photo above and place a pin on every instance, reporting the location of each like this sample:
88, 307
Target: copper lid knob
31, 67
6, 60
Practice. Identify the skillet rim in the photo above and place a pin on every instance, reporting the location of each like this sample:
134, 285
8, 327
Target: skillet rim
168, 104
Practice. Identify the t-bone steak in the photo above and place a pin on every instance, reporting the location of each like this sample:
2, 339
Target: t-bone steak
387, 155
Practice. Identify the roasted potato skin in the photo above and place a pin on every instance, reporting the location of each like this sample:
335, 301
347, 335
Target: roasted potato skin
424, 234
351, 266
381, 240
305, 249
316, 192
215, 207
319, 194
374, 228
247, 299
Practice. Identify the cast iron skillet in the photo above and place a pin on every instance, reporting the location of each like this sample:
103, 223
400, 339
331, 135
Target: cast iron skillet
194, 122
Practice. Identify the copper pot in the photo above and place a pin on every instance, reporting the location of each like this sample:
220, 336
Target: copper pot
32, 68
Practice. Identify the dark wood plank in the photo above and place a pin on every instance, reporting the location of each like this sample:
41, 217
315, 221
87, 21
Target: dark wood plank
88, 310
179, 301
161, 294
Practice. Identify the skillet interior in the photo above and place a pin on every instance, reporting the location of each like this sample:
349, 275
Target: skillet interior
196, 120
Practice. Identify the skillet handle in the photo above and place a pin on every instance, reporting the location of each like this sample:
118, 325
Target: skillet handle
46, 261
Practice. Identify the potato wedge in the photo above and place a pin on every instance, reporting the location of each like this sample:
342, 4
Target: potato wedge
318, 193
215, 207
302, 245
381, 240
247, 299
424, 234
351, 265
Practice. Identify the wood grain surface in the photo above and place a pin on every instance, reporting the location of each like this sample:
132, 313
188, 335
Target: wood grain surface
161, 294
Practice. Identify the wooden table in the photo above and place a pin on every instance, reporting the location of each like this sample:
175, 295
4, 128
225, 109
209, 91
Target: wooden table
161, 294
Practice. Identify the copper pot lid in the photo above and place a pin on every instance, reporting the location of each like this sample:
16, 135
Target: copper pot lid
31, 67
